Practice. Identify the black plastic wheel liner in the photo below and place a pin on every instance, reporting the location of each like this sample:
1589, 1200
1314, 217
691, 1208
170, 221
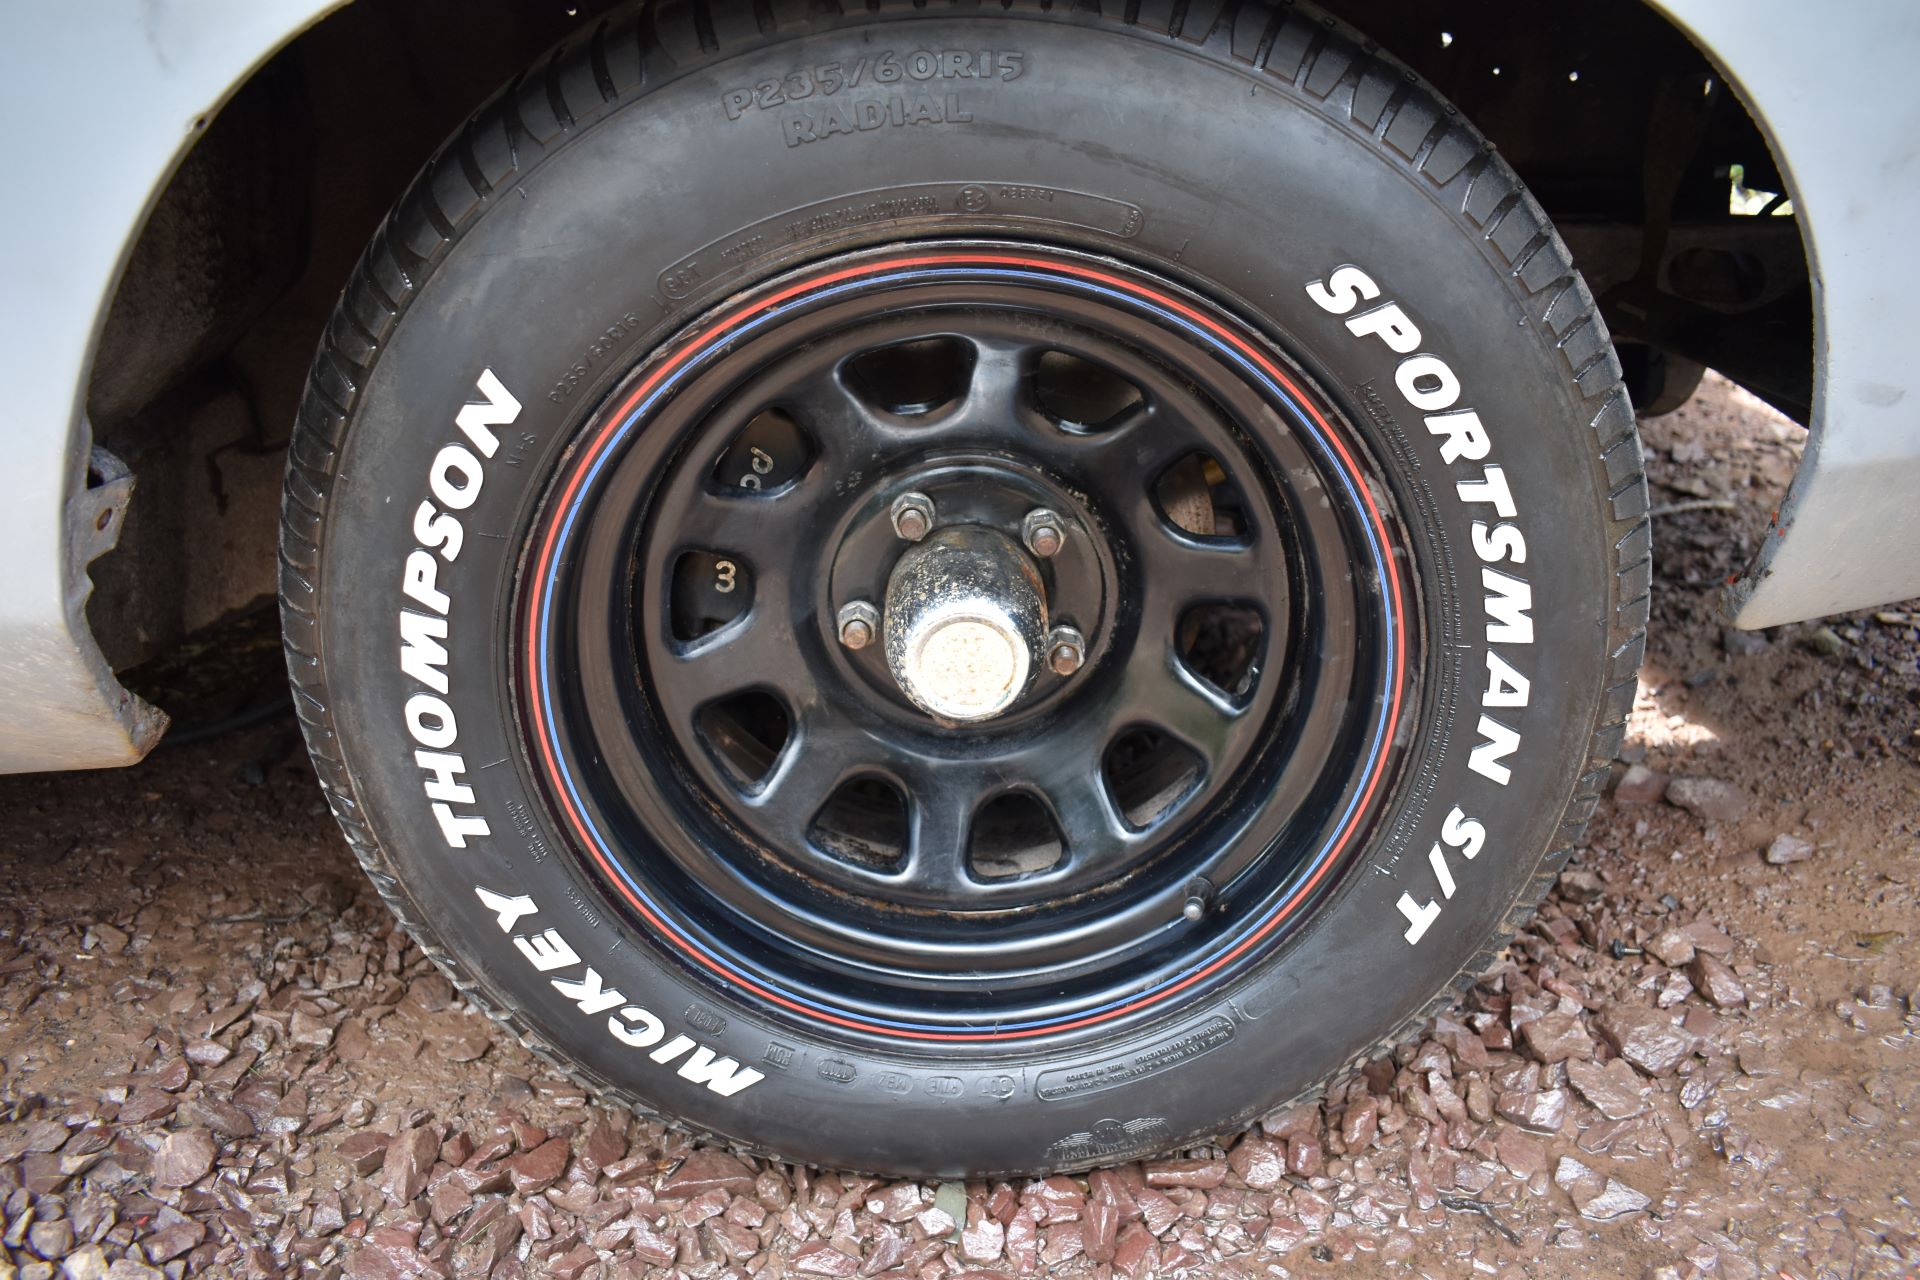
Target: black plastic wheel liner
1286, 765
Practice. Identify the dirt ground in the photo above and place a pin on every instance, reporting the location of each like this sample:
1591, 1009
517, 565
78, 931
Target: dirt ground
219, 1057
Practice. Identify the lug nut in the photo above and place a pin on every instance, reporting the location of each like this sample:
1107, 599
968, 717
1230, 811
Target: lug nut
1044, 532
859, 624
912, 516
1066, 650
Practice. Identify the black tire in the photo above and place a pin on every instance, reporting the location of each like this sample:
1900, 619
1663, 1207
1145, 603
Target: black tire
610, 198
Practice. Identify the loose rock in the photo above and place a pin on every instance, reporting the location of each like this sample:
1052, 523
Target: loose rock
1787, 850
1712, 979
1640, 785
1709, 799
1649, 1040
184, 1158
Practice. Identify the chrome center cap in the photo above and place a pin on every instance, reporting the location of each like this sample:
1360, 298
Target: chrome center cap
964, 623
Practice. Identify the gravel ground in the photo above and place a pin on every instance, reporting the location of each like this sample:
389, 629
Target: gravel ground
219, 1057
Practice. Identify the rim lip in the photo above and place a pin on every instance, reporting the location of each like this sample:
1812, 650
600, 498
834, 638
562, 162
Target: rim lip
656, 377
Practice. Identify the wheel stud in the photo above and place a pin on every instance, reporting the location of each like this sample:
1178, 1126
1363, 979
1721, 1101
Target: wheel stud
1044, 532
1066, 650
859, 624
912, 516
1199, 901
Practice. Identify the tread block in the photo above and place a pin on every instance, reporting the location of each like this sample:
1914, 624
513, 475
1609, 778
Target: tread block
1378, 83
1630, 500
349, 340
1250, 23
1517, 229
1455, 150
453, 192
386, 274
734, 24
533, 110
1617, 704
673, 31
1200, 19
416, 230
622, 54
1411, 124
1582, 344
1628, 657
1636, 580
490, 148
1615, 418
1329, 68
1546, 265
575, 78
1290, 47
1597, 377
1493, 184
1573, 306
1622, 461
1636, 546
1155, 15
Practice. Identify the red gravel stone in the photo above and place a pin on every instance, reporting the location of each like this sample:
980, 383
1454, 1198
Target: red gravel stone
539, 1168
408, 1160
1712, 979
1186, 1173
184, 1158
1647, 1039
1101, 1230
704, 1170
818, 1258
1359, 1125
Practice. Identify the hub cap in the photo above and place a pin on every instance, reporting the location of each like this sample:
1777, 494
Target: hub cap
965, 621
1187, 671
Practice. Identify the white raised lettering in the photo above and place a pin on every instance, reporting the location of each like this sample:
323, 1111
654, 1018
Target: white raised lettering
1344, 290
508, 910
418, 579
1508, 599
636, 1027
422, 656
475, 420
1389, 324
1500, 743
430, 721
589, 993
547, 951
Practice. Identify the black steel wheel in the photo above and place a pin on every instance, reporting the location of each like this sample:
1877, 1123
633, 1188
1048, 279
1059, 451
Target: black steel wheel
732, 763
964, 591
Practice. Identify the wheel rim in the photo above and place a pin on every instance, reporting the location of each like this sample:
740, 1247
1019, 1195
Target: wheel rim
772, 805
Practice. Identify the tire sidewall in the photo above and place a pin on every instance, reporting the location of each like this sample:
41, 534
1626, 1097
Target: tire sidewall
1167, 156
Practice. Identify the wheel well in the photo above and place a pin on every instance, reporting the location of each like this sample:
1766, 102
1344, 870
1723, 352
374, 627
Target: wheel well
1619, 124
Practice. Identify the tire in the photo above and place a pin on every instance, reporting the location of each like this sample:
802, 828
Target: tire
676, 170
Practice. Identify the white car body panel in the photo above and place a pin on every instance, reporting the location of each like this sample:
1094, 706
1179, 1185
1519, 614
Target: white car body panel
1848, 534
132, 82
122, 88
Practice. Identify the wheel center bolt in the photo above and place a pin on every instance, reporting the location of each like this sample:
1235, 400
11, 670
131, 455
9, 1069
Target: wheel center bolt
1066, 650
1044, 532
912, 516
859, 624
